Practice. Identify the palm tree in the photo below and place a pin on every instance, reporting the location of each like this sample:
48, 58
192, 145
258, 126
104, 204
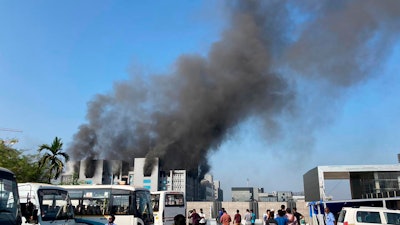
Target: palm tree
53, 158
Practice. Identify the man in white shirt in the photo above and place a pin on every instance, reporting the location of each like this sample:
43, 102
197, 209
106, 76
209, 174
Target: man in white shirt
203, 220
247, 217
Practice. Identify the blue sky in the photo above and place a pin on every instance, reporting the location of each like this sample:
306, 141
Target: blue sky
55, 56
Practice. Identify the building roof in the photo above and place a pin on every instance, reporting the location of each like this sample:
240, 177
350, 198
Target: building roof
343, 171
314, 179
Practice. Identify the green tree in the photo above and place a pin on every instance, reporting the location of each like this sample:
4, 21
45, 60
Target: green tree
25, 167
53, 158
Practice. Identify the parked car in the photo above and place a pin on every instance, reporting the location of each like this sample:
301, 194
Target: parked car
368, 215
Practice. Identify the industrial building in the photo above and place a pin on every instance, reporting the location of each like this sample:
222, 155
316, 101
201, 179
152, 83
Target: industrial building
366, 181
119, 172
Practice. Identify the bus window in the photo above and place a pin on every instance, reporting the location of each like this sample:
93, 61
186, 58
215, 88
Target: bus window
174, 200
55, 204
10, 211
7, 196
143, 206
155, 202
120, 204
96, 202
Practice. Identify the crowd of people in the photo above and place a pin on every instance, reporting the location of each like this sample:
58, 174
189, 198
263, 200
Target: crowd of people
196, 218
284, 216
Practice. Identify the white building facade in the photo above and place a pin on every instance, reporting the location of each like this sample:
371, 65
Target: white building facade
119, 172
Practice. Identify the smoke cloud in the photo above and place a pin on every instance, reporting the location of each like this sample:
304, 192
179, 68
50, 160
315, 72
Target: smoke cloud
256, 69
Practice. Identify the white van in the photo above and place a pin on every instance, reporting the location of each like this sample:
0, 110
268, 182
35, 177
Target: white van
368, 215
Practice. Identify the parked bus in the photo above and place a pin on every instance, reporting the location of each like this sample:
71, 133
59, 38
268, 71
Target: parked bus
166, 205
10, 210
94, 203
45, 204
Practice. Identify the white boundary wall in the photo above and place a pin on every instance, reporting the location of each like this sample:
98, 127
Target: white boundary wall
231, 208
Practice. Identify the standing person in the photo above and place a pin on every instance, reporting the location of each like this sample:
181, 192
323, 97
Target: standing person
111, 219
266, 216
247, 217
179, 220
29, 211
253, 217
298, 215
195, 217
292, 220
225, 218
237, 219
203, 220
190, 218
271, 219
220, 213
281, 219
329, 217
282, 209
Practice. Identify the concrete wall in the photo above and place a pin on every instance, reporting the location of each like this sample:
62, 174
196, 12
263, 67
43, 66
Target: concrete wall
312, 185
231, 207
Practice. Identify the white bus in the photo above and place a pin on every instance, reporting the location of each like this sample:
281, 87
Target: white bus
10, 210
166, 205
45, 204
94, 203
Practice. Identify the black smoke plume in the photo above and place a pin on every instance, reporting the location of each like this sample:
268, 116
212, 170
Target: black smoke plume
270, 52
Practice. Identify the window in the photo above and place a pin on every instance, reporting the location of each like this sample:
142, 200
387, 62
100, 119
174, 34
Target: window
174, 200
392, 218
155, 202
143, 204
54, 204
120, 204
8, 200
94, 202
143, 208
342, 215
368, 217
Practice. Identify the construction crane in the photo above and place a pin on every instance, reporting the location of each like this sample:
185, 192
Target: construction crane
10, 130
8, 141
